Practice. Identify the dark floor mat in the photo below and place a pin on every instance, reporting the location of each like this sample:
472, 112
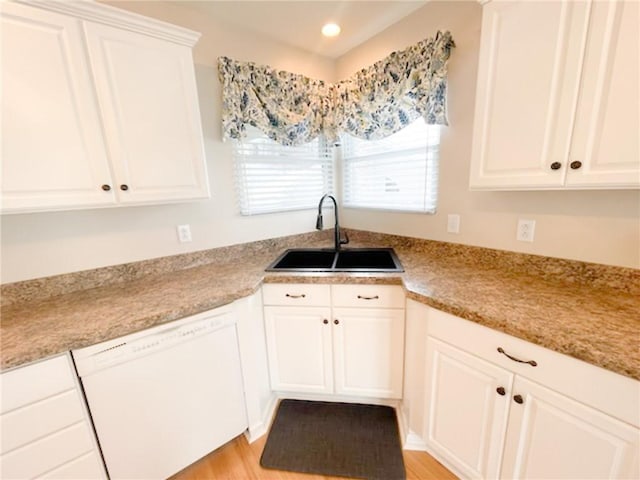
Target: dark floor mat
342, 439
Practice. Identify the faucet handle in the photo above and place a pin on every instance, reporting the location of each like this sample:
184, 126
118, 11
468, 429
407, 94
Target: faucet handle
346, 239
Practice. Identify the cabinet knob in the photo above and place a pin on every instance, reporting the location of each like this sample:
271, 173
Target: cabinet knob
106, 187
501, 390
124, 187
575, 165
518, 399
325, 321
336, 321
555, 165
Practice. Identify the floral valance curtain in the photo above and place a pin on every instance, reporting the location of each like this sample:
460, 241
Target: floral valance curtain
375, 102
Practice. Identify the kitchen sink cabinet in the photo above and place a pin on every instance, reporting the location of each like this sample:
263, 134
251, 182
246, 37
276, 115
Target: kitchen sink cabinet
322, 340
488, 415
558, 95
299, 345
46, 431
99, 109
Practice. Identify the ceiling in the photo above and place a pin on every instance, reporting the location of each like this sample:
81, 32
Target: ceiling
298, 23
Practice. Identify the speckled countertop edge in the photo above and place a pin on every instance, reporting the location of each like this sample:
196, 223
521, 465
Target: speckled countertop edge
591, 321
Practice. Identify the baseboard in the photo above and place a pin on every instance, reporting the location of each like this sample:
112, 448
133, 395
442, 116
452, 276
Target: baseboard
411, 440
319, 397
260, 428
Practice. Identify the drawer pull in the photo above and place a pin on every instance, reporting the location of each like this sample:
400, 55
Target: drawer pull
362, 297
302, 295
533, 363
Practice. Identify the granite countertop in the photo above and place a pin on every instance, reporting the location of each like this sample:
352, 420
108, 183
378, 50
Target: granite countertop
591, 319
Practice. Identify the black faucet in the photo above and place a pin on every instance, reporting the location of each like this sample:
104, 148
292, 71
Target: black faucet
337, 239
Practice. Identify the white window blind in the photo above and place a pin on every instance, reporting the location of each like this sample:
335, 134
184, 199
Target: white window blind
399, 172
273, 178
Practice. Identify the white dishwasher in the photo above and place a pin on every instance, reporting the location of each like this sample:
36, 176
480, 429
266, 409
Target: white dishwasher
163, 398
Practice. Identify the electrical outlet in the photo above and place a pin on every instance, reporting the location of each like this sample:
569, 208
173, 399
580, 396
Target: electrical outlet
453, 223
184, 233
526, 230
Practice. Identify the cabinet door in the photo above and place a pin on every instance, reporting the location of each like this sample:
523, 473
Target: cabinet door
147, 92
606, 139
53, 152
368, 351
551, 436
528, 76
466, 414
299, 346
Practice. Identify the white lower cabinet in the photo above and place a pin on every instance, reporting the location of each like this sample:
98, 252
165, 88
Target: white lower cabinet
44, 425
489, 416
550, 435
467, 416
321, 346
299, 345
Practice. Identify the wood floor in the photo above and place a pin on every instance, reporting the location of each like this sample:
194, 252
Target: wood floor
239, 460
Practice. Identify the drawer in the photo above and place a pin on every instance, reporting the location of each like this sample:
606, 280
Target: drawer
87, 467
369, 296
39, 457
25, 385
296, 294
37, 420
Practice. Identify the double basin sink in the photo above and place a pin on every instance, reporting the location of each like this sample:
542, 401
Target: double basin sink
328, 260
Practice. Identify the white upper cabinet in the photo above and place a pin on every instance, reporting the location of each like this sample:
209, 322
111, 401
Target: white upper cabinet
557, 102
147, 92
96, 114
53, 150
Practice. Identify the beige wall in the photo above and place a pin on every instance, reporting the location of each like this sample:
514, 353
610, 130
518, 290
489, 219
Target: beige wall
596, 226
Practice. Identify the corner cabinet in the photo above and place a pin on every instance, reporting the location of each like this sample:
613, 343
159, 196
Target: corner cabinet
335, 339
558, 96
99, 108
494, 414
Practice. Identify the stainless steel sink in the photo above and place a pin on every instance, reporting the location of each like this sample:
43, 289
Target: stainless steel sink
345, 260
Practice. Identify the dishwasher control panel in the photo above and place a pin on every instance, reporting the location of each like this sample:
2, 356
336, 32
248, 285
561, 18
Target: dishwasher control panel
149, 341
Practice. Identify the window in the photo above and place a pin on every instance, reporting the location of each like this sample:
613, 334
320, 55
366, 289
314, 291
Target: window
273, 178
399, 172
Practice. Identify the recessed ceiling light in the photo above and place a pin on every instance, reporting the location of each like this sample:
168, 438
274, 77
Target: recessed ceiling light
330, 30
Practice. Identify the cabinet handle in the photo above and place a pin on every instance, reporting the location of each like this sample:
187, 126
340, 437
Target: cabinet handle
124, 187
555, 165
575, 165
325, 321
518, 399
295, 296
501, 391
336, 321
362, 297
533, 363
106, 187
